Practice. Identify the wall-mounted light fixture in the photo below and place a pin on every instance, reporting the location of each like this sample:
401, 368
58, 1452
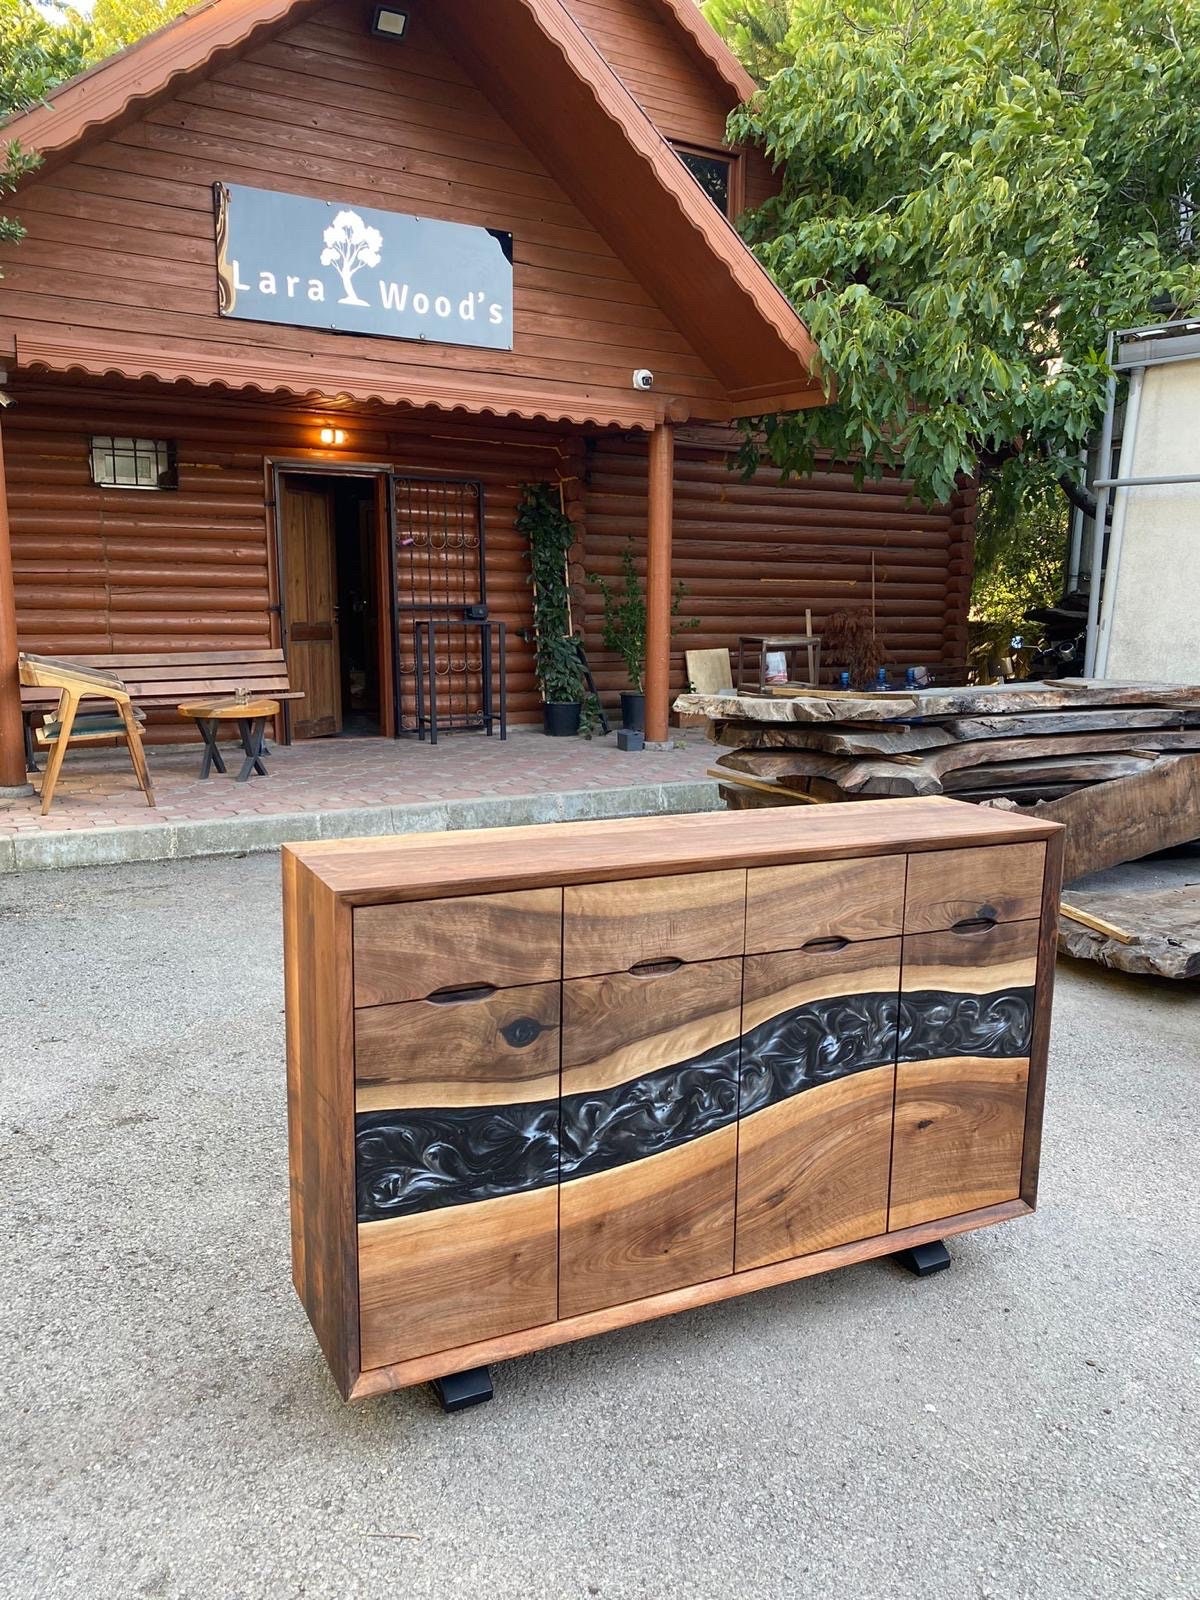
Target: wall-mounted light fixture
389, 22
332, 436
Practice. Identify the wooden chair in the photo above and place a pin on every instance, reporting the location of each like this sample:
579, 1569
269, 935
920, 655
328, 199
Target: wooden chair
64, 727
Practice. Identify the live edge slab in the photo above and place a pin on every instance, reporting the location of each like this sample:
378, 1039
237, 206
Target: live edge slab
544, 1082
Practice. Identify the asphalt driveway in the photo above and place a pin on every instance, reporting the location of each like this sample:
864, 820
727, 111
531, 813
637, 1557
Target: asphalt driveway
1024, 1427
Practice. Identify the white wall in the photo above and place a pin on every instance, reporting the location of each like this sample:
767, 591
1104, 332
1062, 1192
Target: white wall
1153, 598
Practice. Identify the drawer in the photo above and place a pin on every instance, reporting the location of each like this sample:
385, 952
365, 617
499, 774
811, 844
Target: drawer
1001, 883
968, 992
648, 1132
809, 1016
487, 1047
414, 949
958, 1139
786, 907
611, 927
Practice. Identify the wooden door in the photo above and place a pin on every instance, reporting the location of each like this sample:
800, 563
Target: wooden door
648, 1131
966, 1018
310, 608
817, 1080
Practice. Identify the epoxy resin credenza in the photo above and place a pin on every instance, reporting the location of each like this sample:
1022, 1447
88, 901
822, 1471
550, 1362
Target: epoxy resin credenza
547, 1081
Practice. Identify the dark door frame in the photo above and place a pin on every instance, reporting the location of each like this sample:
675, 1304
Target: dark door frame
379, 473
384, 475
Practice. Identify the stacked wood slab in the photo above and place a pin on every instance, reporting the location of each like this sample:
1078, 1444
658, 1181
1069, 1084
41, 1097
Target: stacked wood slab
1028, 742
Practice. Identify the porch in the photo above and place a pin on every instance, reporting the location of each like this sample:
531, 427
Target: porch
328, 788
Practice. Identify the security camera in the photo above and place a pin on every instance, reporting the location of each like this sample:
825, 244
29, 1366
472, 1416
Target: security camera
643, 378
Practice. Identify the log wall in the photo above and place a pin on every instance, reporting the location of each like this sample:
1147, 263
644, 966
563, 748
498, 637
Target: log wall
126, 569
122, 569
754, 554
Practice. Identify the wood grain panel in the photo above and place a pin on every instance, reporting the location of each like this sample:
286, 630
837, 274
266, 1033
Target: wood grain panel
959, 1134
621, 1025
1001, 882
977, 961
813, 1170
432, 865
1039, 1049
320, 1074
405, 952
498, 1049
611, 927
778, 981
788, 906
439, 1279
421, 1370
649, 1226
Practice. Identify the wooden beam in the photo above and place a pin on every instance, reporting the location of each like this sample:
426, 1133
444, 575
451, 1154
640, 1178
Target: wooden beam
659, 519
12, 737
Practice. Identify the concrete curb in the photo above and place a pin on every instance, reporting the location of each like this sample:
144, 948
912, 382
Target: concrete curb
180, 841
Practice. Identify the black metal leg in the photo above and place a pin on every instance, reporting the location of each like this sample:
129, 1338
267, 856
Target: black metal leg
418, 661
503, 681
212, 756
485, 665
30, 756
924, 1259
458, 1390
432, 635
251, 730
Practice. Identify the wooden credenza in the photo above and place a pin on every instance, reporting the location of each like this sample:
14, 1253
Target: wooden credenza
543, 1082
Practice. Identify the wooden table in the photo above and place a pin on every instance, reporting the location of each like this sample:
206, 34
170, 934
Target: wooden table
810, 643
556, 1080
251, 717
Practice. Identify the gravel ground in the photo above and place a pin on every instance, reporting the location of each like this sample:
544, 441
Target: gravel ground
1024, 1427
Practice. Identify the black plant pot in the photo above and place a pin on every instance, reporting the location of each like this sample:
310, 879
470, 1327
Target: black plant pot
560, 718
633, 710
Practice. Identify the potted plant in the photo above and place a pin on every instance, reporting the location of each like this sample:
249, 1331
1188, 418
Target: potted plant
557, 662
623, 631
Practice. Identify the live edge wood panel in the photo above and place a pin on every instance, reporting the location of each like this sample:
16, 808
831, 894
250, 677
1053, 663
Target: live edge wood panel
510, 1126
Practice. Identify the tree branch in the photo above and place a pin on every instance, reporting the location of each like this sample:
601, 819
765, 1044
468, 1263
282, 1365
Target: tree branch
1082, 499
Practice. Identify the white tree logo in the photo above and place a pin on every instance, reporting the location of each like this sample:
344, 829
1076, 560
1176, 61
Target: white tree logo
349, 245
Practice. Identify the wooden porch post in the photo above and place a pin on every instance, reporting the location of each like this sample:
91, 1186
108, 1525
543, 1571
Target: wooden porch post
12, 736
659, 517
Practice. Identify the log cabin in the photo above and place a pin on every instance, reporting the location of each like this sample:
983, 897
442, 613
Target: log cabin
309, 288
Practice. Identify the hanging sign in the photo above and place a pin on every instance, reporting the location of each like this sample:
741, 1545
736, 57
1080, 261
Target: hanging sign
351, 269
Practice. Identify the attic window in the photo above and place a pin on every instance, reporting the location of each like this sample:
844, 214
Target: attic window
713, 171
133, 463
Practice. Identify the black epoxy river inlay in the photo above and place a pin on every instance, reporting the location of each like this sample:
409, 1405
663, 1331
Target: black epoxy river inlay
418, 1160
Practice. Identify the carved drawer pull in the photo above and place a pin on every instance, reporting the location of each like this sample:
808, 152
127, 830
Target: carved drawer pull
470, 991
832, 942
653, 969
973, 925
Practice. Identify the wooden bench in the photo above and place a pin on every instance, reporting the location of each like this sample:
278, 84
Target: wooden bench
165, 679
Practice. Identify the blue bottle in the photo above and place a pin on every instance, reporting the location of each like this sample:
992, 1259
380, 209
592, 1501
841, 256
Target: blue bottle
881, 679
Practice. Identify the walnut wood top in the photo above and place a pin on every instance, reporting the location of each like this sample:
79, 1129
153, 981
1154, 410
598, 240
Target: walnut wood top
421, 866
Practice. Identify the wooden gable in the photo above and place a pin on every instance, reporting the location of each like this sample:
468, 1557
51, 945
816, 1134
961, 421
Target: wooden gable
119, 253
681, 90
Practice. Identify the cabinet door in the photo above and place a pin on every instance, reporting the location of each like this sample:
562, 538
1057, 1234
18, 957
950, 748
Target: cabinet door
966, 1017
817, 1078
649, 1131
457, 1169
